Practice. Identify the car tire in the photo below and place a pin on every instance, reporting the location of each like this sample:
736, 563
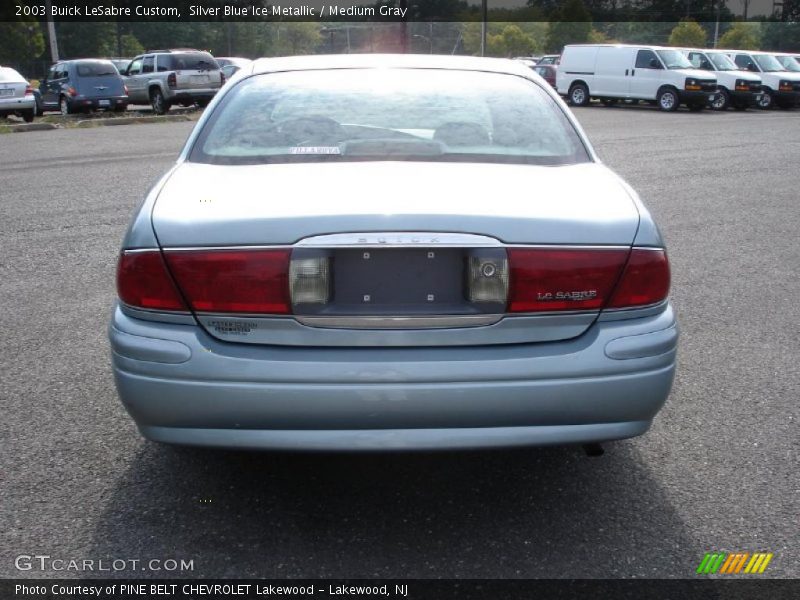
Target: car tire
767, 100
722, 101
668, 99
28, 115
579, 95
203, 103
64, 106
157, 101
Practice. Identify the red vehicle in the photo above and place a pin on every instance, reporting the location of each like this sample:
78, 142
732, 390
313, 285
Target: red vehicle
548, 73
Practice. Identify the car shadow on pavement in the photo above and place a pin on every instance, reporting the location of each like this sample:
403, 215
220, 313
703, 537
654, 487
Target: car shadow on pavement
541, 512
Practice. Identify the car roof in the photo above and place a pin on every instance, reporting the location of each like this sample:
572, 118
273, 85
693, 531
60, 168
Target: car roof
392, 61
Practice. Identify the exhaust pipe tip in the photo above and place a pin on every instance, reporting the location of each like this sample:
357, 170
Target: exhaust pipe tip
593, 450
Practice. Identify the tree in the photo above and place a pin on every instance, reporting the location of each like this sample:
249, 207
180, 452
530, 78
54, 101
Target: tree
512, 41
20, 41
688, 34
572, 27
742, 36
297, 38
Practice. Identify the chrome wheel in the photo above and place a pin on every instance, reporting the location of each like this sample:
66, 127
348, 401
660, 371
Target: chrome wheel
668, 100
766, 100
578, 96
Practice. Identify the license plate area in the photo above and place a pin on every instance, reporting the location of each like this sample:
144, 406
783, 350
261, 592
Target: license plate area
104, 103
414, 281
6, 92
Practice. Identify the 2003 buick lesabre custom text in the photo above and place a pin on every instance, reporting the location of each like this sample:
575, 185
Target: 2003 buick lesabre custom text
373, 252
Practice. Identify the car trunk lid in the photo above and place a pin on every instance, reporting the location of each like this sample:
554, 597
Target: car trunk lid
410, 231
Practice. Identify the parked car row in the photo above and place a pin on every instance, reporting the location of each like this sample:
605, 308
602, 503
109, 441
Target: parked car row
670, 77
160, 78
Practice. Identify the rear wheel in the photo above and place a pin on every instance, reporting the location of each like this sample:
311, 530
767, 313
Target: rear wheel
722, 101
160, 106
668, 100
579, 95
63, 104
766, 101
27, 115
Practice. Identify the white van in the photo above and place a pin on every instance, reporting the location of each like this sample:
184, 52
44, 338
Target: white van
780, 87
614, 72
736, 88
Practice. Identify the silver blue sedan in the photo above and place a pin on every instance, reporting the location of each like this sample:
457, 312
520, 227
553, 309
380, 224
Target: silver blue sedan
391, 252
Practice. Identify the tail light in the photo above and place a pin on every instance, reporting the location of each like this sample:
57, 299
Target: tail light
28, 90
547, 279
645, 280
72, 91
144, 282
172, 80
251, 281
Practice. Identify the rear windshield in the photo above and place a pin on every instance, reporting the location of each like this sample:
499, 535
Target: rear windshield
191, 61
96, 69
388, 114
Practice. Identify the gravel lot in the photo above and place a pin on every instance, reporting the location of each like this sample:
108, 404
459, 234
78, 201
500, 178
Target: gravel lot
718, 471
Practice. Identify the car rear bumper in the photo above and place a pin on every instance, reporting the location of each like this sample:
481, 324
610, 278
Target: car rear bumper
198, 94
182, 386
11, 105
100, 102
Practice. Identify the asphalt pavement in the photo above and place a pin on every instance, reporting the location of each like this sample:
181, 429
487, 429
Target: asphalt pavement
718, 470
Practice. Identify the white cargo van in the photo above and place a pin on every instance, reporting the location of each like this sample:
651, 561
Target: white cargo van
736, 88
780, 87
613, 72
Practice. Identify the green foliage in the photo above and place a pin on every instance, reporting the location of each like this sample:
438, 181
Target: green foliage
688, 34
741, 36
20, 41
505, 39
573, 26
129, 46
297, 38
597, 37
781, 36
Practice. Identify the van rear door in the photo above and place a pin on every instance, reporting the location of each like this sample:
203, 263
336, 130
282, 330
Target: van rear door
612, 71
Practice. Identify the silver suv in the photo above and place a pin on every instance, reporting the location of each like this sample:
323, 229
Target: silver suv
162, 78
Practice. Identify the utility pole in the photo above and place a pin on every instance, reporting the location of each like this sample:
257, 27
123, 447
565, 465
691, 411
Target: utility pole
484, 14
51, 33
716, 25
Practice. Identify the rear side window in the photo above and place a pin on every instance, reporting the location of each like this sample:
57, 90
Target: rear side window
190, 61
96, 69
644, 58
388, 114
148, 64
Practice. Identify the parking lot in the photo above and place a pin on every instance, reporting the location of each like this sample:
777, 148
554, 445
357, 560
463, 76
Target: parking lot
718, 471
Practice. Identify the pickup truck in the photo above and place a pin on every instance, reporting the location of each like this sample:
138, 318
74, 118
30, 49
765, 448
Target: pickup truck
162, 78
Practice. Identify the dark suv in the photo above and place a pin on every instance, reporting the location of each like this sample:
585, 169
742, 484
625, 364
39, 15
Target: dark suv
81, 86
